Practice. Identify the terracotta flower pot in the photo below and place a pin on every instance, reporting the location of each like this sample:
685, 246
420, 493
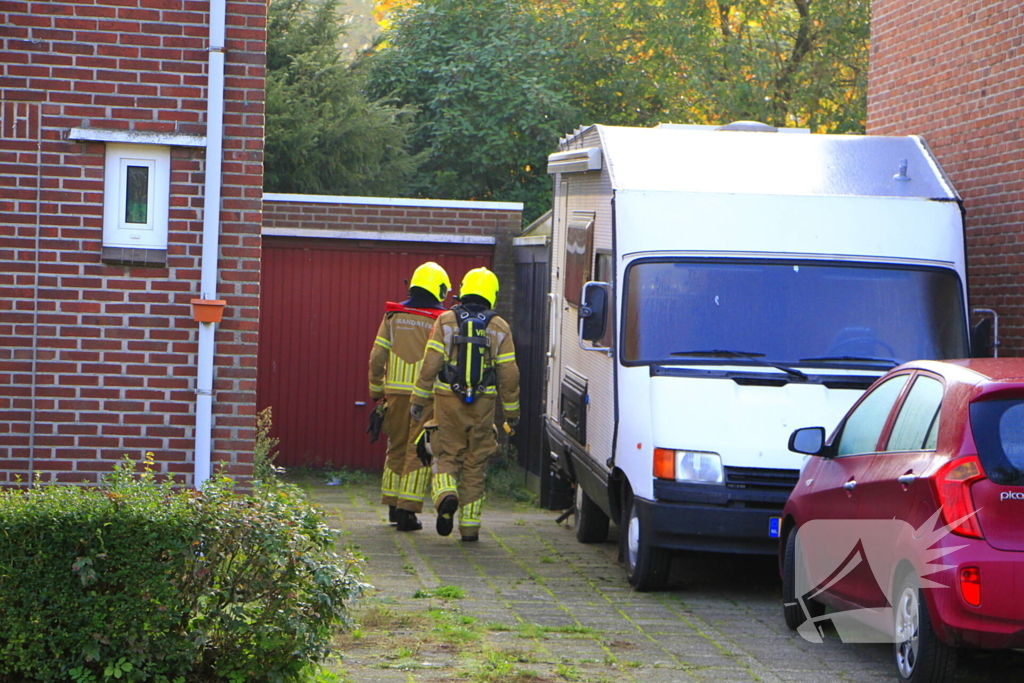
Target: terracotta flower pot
208, 310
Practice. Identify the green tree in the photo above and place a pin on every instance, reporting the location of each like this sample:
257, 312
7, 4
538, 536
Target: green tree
785, 62
323, 135
486, 79
497, 82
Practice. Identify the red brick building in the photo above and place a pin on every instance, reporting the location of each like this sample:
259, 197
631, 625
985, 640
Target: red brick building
131, 137
954, 73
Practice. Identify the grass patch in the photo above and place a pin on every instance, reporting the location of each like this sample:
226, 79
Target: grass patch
453, 627
379, 618
443, 592
502, 666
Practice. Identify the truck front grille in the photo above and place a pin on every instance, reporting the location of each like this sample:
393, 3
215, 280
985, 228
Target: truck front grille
761, 479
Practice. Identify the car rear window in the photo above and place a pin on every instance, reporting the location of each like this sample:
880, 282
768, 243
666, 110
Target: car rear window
998, 428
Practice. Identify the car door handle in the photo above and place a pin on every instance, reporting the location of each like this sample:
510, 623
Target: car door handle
906, 479
850, 485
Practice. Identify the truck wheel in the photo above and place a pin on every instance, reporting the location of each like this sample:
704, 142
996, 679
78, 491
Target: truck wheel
647, 566
591, 521
791, 608
920, 656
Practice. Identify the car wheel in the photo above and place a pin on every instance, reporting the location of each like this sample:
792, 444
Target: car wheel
591, 521
920, 656
647, 566
792, 608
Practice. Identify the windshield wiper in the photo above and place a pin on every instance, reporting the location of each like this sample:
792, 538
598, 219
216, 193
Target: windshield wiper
756, 357
863, 359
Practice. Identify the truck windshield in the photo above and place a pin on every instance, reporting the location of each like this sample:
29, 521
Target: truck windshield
794, 312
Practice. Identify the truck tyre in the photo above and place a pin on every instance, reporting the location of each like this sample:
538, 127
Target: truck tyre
919, 655
791, 608
591, 521
647, 566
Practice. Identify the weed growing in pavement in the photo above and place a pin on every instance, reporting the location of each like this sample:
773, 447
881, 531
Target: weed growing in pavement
499, 666
380, 618
567, 671
443, 592
497, 627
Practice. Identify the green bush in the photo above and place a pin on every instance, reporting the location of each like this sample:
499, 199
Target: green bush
139, 582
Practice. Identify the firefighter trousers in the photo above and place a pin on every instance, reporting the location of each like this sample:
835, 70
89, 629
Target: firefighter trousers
404, 482
463, 443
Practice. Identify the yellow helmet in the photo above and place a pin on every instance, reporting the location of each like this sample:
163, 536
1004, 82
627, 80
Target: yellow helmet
481, 282
432, 278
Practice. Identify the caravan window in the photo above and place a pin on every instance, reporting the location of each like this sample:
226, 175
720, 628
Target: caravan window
810, 313
579, 244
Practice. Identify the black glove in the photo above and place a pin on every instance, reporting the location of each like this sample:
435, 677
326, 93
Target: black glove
421, 450
415, 412
513, 422
376, 420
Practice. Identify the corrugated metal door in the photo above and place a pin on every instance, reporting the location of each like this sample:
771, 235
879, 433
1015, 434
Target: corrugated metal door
320, 305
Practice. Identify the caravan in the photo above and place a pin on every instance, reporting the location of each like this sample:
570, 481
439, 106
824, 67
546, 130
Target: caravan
711, 290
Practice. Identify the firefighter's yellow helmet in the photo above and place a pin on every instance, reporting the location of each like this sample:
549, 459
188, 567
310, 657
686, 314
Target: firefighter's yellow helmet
481, 282
432, 278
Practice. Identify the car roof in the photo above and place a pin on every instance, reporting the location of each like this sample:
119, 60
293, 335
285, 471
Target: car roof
975, 370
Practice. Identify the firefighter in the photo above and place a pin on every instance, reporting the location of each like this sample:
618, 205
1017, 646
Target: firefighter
394, 365
470, 361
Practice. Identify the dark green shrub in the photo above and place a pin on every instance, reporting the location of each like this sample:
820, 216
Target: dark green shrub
138, 582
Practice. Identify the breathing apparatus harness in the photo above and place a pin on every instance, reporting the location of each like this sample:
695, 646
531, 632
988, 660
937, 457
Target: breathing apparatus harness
468, 375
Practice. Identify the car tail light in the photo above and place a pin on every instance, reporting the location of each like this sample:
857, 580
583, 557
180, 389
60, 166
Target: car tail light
953, 486
664, 463
970, 585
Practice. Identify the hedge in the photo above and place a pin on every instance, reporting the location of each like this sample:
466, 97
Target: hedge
137, 581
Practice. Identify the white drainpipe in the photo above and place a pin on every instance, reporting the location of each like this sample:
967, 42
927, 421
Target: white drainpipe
211, 238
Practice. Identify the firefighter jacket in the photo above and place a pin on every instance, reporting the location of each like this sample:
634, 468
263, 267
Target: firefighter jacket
398, 349
501, 356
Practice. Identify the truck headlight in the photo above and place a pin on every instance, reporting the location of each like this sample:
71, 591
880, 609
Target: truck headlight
694, 467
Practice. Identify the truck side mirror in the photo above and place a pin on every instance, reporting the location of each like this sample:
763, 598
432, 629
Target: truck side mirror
809, 440
593, 312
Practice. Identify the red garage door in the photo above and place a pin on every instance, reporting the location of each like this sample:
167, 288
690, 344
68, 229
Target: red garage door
320, 304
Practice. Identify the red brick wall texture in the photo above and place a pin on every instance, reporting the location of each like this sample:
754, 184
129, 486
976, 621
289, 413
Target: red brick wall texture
954, 73
96, 360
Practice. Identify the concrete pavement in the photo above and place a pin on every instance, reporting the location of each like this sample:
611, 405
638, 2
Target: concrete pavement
538, 606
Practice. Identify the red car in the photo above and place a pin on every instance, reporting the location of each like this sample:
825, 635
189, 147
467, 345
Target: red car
909, 520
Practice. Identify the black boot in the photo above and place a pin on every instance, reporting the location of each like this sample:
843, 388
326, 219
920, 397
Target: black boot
446, 514
407, 521
392, 514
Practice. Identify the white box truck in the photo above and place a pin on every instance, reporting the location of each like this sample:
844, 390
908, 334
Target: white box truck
713, 289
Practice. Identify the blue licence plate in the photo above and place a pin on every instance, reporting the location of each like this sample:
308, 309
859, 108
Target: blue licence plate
774, 526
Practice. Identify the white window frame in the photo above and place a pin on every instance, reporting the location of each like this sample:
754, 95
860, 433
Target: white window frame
117, 232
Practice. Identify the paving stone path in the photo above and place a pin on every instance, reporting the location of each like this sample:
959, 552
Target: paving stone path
536, 606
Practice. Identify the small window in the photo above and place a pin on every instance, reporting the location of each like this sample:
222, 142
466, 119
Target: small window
579, 241
865, 424
137, 192
917, 426
135, 204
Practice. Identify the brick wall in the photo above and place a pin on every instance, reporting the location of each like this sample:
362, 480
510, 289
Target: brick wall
97, 360
396, 217
954, 73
